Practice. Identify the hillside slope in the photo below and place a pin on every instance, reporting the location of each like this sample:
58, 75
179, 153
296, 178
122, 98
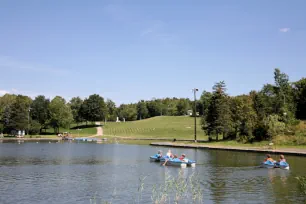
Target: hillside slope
179, 127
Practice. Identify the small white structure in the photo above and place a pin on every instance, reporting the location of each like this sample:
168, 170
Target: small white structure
23, 133
117, 120
124, 120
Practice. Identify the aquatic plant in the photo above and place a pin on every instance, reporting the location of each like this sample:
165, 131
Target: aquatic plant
302, 183
175, 189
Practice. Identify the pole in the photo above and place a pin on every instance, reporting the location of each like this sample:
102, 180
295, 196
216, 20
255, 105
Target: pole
28, 121
195, 116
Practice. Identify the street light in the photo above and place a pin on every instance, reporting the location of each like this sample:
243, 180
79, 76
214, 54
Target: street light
195, 114
28, 121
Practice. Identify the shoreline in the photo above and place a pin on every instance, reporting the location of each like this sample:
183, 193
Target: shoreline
287, 151
203, 145
29, 139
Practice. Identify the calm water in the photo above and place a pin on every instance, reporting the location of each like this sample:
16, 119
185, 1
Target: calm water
77, 172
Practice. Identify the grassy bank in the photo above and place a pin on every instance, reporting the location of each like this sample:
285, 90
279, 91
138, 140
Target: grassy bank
170, 127
75, 130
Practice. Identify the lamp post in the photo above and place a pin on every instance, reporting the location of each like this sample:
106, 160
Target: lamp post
28, 121
195, 114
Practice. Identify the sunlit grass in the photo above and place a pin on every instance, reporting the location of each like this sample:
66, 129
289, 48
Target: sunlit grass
168, 127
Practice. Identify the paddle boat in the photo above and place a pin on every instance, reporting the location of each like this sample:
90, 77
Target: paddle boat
270, 164
282, 165
178, 162
172, 162
156, 158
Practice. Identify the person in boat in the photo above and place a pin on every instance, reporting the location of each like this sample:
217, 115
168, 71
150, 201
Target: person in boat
169, 154
282, 158
159, 154
268, 158
183, 158
173, 158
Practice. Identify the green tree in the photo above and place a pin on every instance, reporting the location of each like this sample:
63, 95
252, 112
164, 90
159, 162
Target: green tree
19, 118
300, 98
285, 106
6, 101
218, 120
205, 101
60, 113
111, 110
275, 126
94, 108
75, 105
154, 108
182, 106
40, 112
128, 112
142, 110
35, 127
244, 118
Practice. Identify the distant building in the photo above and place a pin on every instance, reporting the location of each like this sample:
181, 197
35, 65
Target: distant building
189, 112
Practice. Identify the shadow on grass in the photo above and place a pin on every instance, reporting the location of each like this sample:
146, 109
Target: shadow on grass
85, 126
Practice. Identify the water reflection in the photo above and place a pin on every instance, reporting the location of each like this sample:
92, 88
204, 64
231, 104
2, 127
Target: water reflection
76, 172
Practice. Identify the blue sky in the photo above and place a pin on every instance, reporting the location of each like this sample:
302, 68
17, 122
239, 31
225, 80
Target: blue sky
132, 50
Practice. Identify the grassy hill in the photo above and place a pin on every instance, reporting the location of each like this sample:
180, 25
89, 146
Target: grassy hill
179, 127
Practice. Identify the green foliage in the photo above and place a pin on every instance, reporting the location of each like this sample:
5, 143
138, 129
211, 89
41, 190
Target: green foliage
128, 112
302, 183
182, 107
205, 100
35, 127
300, 98
17, 115
142, 110
154, 108
39, 111
111, 110
60, 113
93, 108
244, 118
275, 126
75, 105
218, 119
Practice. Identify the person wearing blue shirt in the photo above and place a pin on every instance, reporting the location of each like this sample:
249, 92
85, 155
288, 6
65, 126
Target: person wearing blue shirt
159, 154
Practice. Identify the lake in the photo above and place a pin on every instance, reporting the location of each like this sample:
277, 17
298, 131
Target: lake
66, 172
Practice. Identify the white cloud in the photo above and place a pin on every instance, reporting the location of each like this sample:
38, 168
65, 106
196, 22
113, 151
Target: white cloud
9, 62
3, 92
284, 30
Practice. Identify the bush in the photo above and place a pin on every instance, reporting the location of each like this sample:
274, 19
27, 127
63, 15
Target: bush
34, 128
275, 126
245, 138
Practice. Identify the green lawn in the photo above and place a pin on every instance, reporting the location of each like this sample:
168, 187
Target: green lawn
179, 127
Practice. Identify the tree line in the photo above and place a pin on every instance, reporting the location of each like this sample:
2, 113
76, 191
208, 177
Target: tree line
18, 112
258, 115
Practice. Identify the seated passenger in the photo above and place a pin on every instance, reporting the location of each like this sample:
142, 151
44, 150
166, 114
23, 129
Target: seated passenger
268, 158
169, 154
183, 158
282, 158
159, 154
175, 159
